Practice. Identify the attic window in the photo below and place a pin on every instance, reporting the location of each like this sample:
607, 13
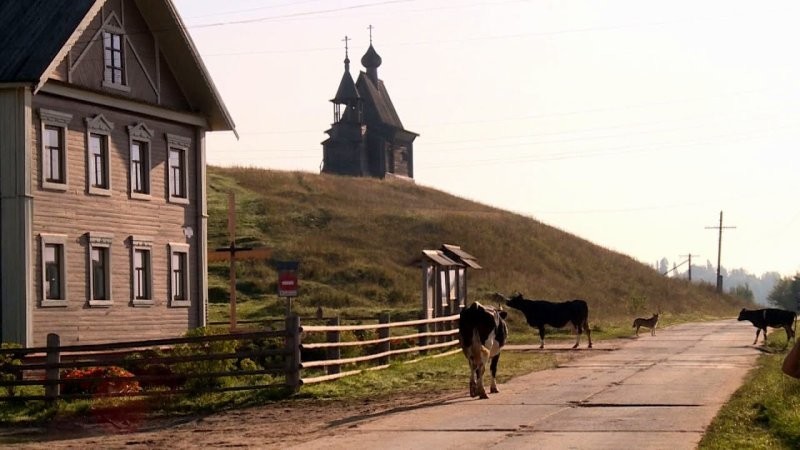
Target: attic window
113, 59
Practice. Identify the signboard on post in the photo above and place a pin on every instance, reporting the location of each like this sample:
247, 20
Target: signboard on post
287, 282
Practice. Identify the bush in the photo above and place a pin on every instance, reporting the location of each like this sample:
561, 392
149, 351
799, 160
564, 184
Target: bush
7, 363
89, 381
204, 383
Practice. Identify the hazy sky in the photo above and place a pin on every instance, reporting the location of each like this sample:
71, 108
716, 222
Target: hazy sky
629, 123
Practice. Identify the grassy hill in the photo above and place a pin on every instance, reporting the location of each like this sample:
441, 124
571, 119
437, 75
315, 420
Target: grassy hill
356, 240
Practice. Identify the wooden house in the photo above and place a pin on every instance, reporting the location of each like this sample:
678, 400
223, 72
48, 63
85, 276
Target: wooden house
367, 138
104, 106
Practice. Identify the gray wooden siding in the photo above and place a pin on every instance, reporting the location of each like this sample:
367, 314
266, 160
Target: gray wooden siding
15, 216
75, 213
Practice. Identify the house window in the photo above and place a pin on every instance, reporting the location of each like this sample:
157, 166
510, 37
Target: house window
140, 165
54, 149
113, 58
98, 130
179, 274
100, 269
140, 136
98, 161
53, 275
177, 165
142, 271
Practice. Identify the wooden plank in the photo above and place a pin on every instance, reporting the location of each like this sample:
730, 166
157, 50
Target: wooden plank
262, 253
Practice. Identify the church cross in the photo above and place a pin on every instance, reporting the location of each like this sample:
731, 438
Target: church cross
345, 45
370, 33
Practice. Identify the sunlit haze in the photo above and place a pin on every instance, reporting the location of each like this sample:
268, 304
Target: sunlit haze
629, 123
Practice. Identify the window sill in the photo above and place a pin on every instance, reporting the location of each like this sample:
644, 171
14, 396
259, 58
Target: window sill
179, 200
117, 87
101, 303
50, 303
180, 304
99, 191
49, 185
142, 302
140, 196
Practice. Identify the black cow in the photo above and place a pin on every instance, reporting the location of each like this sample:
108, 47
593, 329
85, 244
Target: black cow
483, 332
541, 312
770, 317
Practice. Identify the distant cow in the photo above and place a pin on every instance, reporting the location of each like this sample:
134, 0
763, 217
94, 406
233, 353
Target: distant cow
541, 312
769, 317
483, 332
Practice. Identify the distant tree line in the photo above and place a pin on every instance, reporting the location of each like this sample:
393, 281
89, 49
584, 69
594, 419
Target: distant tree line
737, 282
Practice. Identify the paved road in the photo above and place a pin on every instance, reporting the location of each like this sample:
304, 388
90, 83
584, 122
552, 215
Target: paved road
652, 393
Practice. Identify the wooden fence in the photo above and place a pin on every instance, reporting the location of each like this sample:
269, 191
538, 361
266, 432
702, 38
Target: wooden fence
277, 359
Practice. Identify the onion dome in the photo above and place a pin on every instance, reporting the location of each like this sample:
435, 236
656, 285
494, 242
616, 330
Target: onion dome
371, 59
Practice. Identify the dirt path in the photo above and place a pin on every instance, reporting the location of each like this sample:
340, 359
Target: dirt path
270, 426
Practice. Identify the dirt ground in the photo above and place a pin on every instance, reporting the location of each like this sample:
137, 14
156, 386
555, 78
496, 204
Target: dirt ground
272, 426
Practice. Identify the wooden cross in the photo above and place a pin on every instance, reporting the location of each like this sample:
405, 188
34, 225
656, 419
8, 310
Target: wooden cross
345, 45
370, 33
229, 253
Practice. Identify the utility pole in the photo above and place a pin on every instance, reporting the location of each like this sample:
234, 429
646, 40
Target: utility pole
690, 263
719, 251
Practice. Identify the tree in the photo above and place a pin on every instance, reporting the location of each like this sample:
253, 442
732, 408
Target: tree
742, 291
785, 293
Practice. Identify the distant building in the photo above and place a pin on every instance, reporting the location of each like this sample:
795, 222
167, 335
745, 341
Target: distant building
367, 138
104, 107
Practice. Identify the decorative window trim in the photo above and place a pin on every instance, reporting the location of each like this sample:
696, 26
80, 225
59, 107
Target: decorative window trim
59, 120
142, 134
184, 144
102, 240
101, 126
142, 243
58, 239
184, 249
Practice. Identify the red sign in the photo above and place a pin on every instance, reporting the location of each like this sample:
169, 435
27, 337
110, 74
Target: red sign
287, 284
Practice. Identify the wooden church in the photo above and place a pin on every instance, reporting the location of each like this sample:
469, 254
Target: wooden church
367, 138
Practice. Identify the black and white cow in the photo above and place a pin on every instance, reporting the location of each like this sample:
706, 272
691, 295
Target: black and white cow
770, 317
539, 313
483, 332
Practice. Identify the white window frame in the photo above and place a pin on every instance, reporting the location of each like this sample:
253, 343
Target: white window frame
182, 144
176, 248
98, 125
102, 241
56, 119
143, 244
143, 135
61, 240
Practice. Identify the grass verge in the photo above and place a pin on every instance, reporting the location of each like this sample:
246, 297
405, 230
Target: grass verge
763, 413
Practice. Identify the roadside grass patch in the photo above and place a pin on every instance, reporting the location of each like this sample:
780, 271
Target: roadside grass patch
764, 412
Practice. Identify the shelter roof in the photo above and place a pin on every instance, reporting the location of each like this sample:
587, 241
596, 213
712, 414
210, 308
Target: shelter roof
455, 252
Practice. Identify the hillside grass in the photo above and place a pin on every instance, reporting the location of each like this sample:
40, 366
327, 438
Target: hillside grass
358, 241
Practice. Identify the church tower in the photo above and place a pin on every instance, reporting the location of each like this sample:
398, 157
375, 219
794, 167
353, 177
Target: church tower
367, 138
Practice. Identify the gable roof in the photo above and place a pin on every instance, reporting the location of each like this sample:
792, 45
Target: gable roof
377, 98
35, 35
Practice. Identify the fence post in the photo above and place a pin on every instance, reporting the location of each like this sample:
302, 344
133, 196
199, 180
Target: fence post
52, 388
293, 352
383, 333
334, 353
423, 328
